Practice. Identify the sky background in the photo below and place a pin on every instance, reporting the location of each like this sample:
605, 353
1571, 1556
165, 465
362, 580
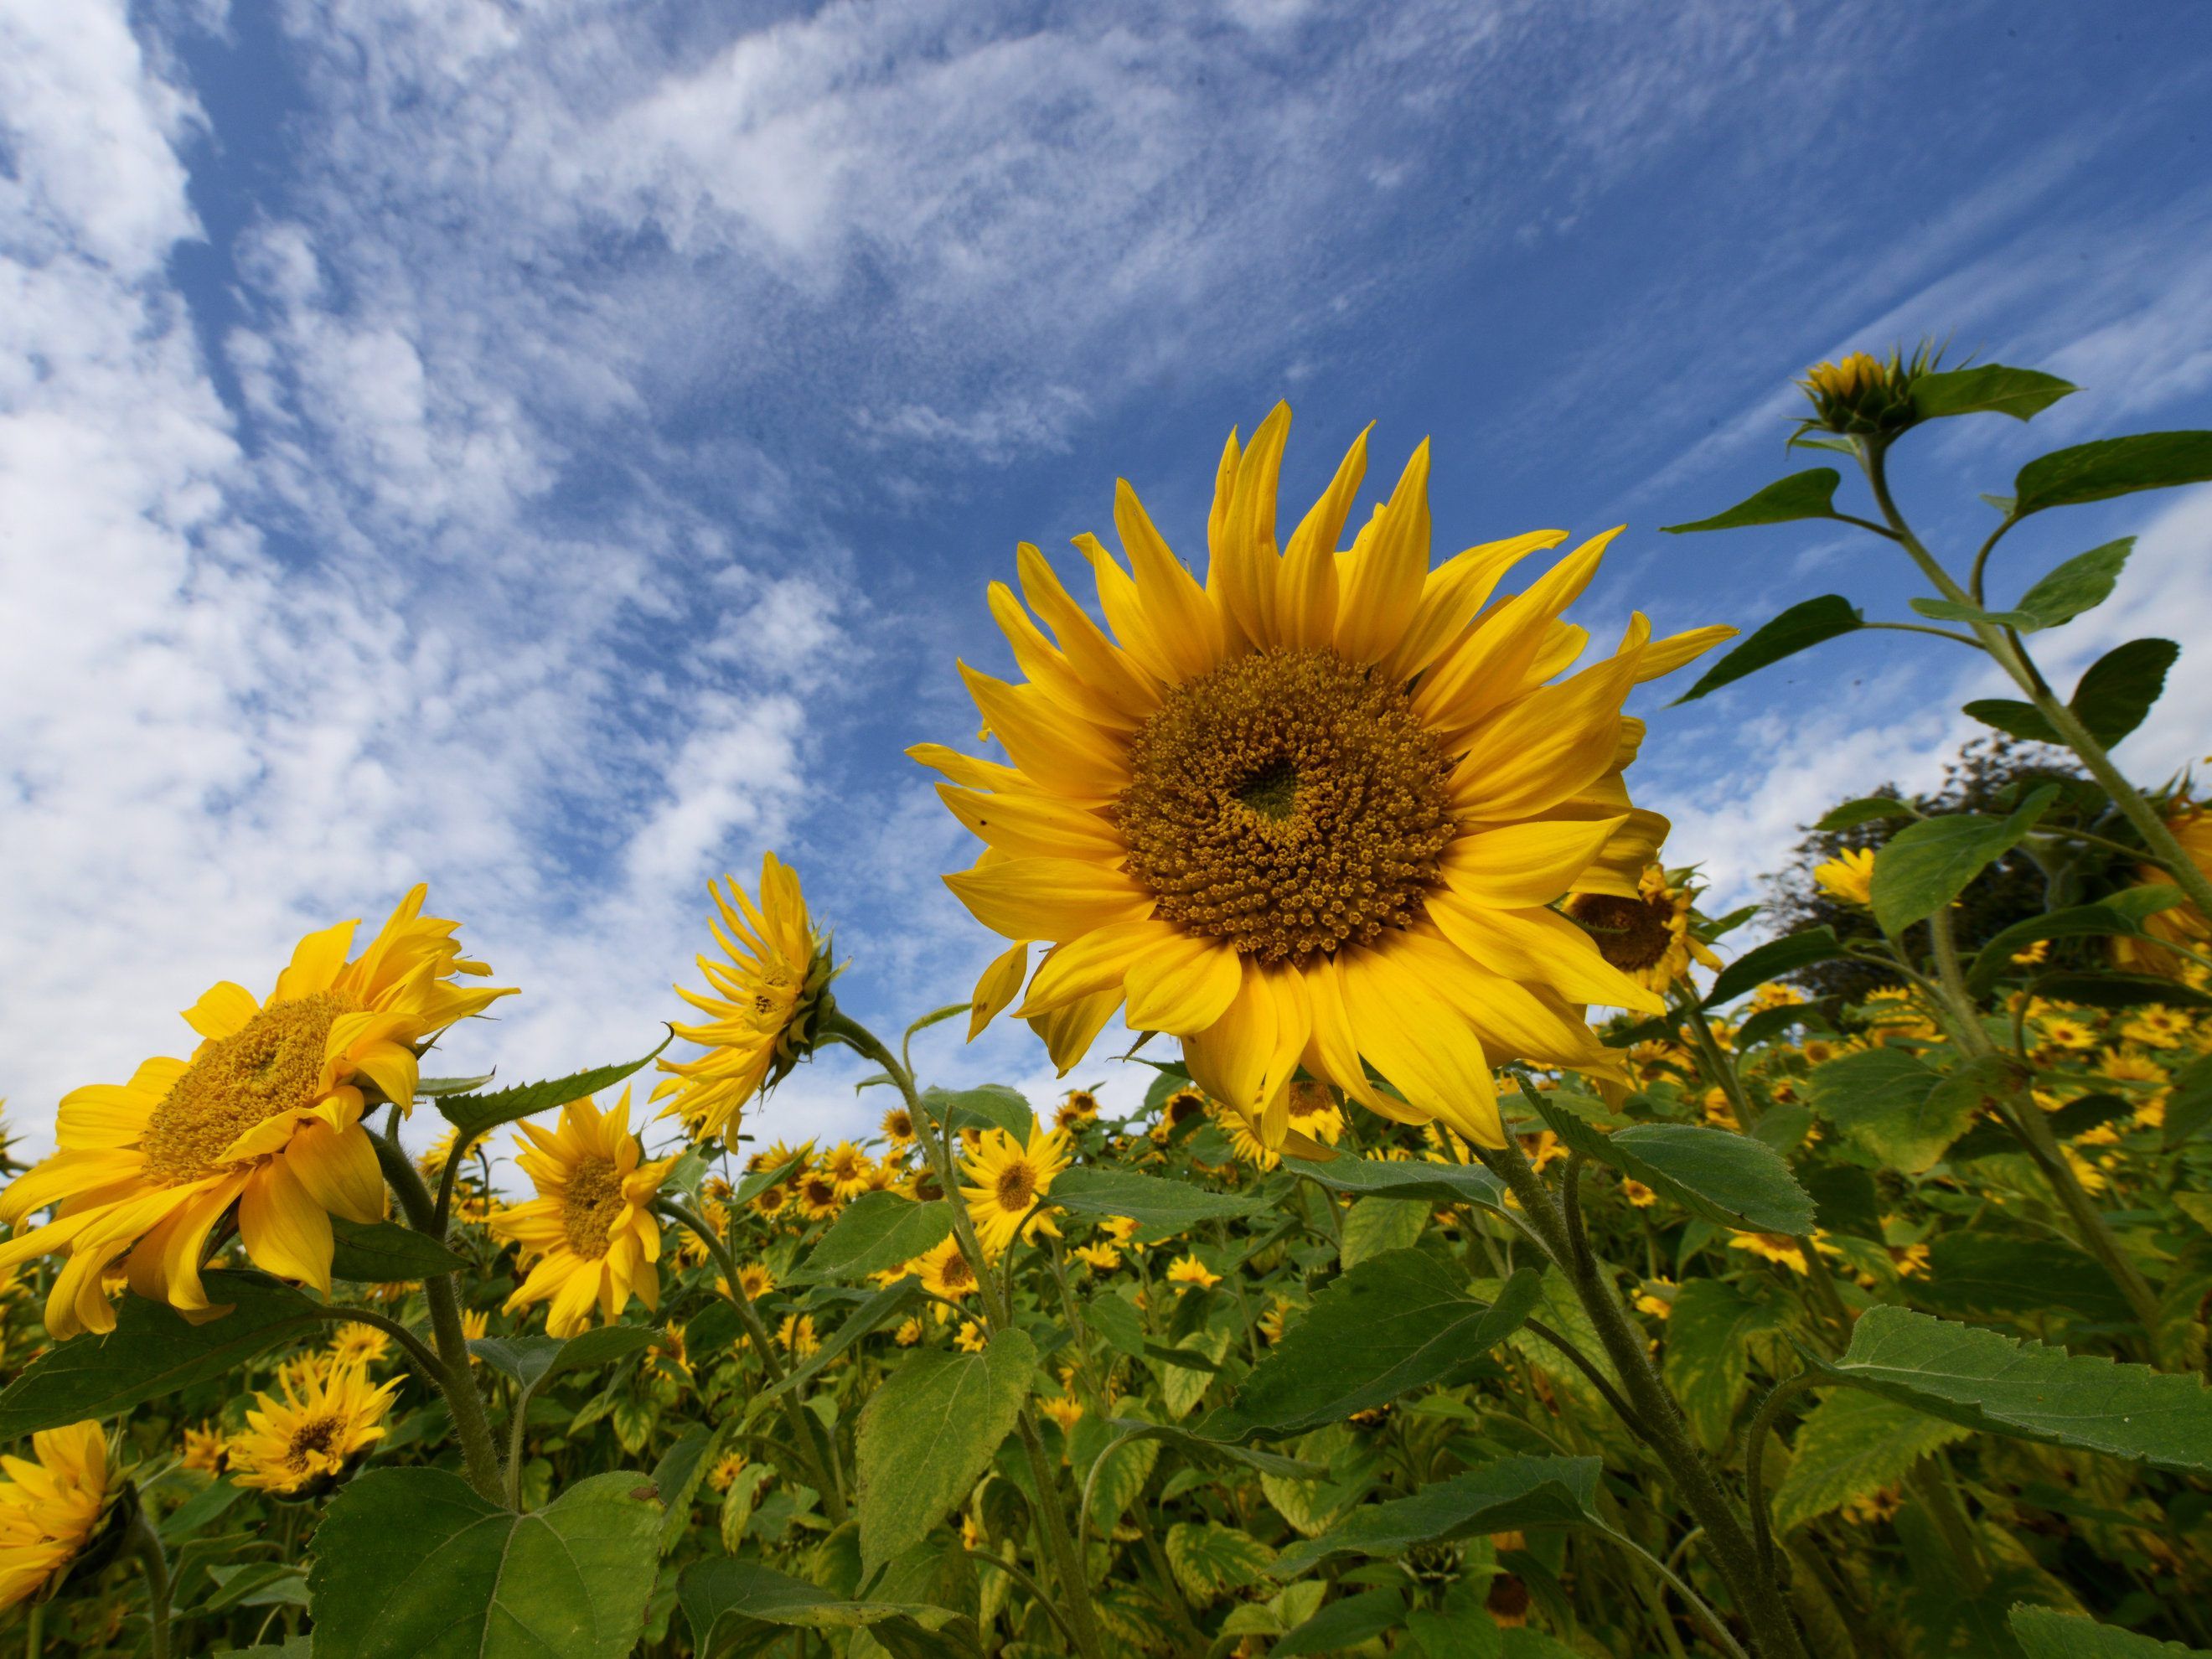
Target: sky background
558, 450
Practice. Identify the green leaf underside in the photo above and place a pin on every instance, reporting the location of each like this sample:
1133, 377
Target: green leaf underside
1375, 1225
1729, 1179
2046, 1633
1346, 1625
1952, 611
1987, 388
1808, 495
385, 1253
1193, 1445
1440, 1183
878, 1231
412, 1562
1800, 627
712, 1591
1771, 960
1982, 1273
1149, 1200
472, 1115
991, 1106
1209, 1559
928, 1434
1852, 1443
1397, 1322
1928, 864
2116, 692
1513, 1494
1871, 809
1994, 1382
2015, 718
2082, 583
1887, 1101
153, 1351
2113, 466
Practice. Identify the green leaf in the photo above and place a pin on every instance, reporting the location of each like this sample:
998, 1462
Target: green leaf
385, 1253
1902, 1111
1116, 1321
1869, 809
1952, 611
1927, 865
1210, 1559
876, 1231
1798, 628
1767, 1021
2113, 466
1218, 1451
1771, 960
1708, 1356
2189, 1103
2082, 583
1808, 495
1988, 388
1850, 1445
1985, 1381
1513, 1494
1148, 1199
1396, 1322
761, 1180
1974, 1274
2117, 690
714, 1591
928, 1433
531, 1360
1373, 1226
2020, 719
677, 1476
1439, 1183
152, 1352
1345, 1625
412, 1562
196, 1511
877, 1310
429, 1088
472, 1115
2046, 1633
1729, 1179
993, 1106
2074, 922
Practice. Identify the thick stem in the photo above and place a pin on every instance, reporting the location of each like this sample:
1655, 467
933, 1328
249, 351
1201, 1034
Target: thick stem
146, 1546
1759, 1600
1754, 1460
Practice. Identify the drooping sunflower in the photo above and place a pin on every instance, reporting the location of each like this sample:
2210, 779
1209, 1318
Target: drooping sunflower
1188, 1270
264, 1116
1009, 1178
1648, 937
591, 1229
767, 996
299, 1440
51, 1509
1313, 810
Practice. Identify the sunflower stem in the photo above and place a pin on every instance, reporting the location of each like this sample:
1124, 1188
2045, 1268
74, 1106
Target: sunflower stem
1758, 1597
145, 1545
1754, 1449
479, 1452
425, 1359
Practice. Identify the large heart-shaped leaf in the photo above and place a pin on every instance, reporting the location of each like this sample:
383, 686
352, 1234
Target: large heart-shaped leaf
876, 1231
929, 1431
1927, 865
1901, 1109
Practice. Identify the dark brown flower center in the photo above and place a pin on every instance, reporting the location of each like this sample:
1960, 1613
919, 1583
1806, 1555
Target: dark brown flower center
1632, 934
1289, 802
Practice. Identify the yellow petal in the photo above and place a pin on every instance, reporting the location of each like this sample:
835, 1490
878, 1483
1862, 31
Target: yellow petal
1243, 566
319, 957
284, 1230
1381, 590
1489, 664
1183, 620
1027, 824
392, 1068
1125, 611
1116, 676
1182, 984
1518, 865
1000, 984
223, 1010
1248, 1057
1332, 1047
1454, 593
1555, 741
1068, 1032
1667, 655
1047, 668
966, 771
1432, 1057
1058, 899
337, 1168
1538, 946
1094, 962
1058, 749
1306, 589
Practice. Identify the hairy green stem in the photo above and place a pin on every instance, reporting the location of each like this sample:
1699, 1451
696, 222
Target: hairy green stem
145, 1545
1754, 1460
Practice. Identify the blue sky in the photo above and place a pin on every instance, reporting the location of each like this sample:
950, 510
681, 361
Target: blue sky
557, 452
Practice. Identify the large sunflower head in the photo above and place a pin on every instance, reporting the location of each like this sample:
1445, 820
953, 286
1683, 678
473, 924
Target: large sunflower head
766, 997
53, 1505
591, 1230
298, 1441
1312, 811
264, 1117
1008, 1179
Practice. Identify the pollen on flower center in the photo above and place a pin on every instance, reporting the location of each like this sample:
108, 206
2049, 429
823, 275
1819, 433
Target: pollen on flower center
312, 1438
589, 1204
274, 1064
1017, 1185
1632, 934
1289, 802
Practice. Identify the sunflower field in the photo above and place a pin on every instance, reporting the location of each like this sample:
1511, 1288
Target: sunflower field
1507, 1257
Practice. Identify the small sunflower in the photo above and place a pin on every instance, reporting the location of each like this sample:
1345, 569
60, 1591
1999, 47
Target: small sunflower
898, 1129
969, 1338
1275, 1321
1182, 1107
476, 1323
754, 1279
769, 994
797, 1335
1312, 811
1064, 1409
1778, 1248
51, 1509
1077, 1110
359, 1345
816, 1193
590, 1231
1121, 1229
779, 1153
1314, 1115
1244, 1138
1009, 1179
2183, 924
203, 1450
849, 1168
264, 1119
298, 1442
1647, 938
1099, 1258
1636, 1192
1849, 875
908, 1332
944, 1271
1188, 1270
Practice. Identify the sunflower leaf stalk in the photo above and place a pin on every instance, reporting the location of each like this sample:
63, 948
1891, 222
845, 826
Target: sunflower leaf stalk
143, 1545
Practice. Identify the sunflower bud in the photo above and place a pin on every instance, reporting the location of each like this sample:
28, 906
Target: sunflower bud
1863, 396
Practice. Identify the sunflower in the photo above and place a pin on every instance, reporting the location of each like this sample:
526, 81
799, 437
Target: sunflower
51, 1509
203, 1450
1314, 1115
728, 1467
1242, 1137
1180, 1108
1077, 1110
298, 1441
898, 1129
816, 1193
768, 995
754, 1279
1778, 1248
265, 1117
779, 1153
476, 1323
1009, 1180
773, 1200
848, 1167
1099, 1258
590, 1231
942, 1270
908, 1332
1312, 811
1849, 875
1064, 1409
359, 1345
797, 1335
969, 1338
1648, 937
1190, 1270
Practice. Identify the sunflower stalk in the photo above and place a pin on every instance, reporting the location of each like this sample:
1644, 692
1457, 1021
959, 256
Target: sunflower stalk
1759, 1597
937, 1148
144, 1545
